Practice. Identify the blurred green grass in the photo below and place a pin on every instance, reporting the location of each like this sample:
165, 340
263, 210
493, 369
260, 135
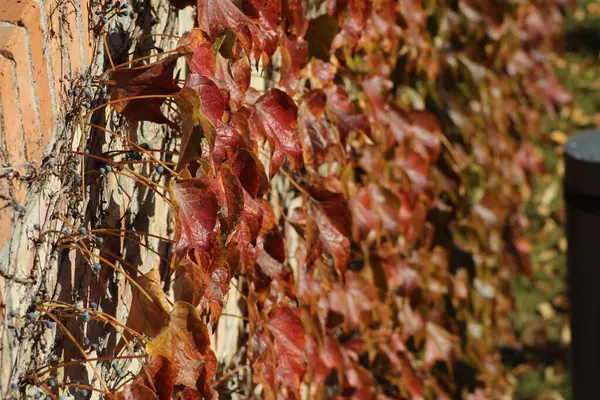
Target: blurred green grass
541, 317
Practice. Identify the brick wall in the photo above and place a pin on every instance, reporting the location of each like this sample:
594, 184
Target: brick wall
43, 44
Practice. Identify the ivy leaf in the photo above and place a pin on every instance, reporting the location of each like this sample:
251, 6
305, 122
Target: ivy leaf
318, 138
204, 283
214, 16
294, 57
250, 173
319, 36
341, 111
222, 137
149, 311
439, 345
289, 342
155, 79
235, 79
230, 196
331, 213
275, 115
185, 342
196, 209
354, 299
158, 374
212, 102
134, 391
192, 129
199, 52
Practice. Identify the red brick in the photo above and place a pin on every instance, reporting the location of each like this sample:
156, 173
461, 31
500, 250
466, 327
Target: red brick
14, 41
11, 116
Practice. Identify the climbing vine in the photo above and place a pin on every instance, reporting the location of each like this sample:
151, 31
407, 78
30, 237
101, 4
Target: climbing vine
366, 205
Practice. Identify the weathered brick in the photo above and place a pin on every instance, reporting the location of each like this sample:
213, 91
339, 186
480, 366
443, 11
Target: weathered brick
11, 113
14, 43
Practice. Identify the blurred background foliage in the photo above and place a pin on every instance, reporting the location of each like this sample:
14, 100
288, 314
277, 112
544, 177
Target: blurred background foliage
541, 314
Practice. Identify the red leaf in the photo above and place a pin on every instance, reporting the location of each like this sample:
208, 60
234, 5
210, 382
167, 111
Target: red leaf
354, 300
212, 103
203, 282
251, 173
155, 79
234, 79
269, 13
318, 138
294, 56
158, 374
214, 16
275, 115
222, 137
289, 341
196, 210
230, 196
342, 111
199, 52
134, 391
331, 213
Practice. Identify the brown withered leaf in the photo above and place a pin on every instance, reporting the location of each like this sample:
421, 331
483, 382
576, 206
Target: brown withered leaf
185, 342
154, 79
150, 308
439, 345
275, 115
319, 35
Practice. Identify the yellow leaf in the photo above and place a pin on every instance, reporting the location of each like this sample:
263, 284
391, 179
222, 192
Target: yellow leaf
558, 137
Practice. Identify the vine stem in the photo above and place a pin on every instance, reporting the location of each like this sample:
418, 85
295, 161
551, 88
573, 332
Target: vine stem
293, 182
106, 391
146, 96
134, 232
110, 264
230, 374
110, 319
136, 60
141, 182
110, 253
54, 367
138, 175
234, 316
452, 152
134, 144
107, 50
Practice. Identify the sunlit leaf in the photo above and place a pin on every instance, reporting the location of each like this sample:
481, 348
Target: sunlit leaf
274, 116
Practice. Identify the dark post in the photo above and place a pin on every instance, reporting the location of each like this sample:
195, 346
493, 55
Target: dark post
582, 196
